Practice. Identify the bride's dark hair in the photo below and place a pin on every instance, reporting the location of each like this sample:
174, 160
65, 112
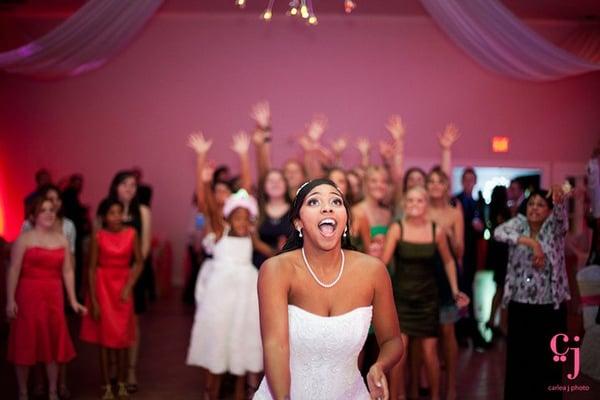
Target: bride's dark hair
294, 241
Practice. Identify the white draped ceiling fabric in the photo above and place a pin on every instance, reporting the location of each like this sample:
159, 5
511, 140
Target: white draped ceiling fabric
83, 42
485, 29
499, 41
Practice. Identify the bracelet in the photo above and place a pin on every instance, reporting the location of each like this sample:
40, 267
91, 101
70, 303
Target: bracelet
267, 139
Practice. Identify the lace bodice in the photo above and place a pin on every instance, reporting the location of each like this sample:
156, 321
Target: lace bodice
324, 354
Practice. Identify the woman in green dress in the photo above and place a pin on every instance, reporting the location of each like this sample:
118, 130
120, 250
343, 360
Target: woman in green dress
414, 243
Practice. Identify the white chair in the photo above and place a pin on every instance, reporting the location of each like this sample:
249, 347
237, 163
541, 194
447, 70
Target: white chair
588, 280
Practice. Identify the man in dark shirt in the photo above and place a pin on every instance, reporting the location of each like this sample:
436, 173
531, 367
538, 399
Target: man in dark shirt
474, 226
516, 198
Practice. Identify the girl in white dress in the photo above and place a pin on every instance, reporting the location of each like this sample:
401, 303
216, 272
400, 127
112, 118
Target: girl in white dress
317, 300
226, 332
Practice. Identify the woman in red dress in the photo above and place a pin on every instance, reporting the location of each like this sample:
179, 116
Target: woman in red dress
38, 331
111, 324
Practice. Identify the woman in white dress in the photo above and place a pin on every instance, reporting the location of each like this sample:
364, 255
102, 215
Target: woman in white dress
317, 300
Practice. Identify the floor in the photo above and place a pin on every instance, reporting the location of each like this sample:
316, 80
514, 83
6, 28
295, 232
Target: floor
164, 375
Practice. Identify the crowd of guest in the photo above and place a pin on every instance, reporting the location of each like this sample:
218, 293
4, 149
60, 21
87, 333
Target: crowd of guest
431, 240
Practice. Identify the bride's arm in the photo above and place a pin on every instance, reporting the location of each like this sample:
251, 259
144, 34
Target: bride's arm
387, 330
273, 286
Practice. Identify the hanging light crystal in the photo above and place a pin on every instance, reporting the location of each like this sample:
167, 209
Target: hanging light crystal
268, 13
294, 6
349, 6
300, 8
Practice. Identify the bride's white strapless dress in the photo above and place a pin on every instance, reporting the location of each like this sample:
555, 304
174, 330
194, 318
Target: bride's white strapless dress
324, 355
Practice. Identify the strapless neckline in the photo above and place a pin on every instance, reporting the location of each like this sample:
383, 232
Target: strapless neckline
331, 316
324, 355
46, 248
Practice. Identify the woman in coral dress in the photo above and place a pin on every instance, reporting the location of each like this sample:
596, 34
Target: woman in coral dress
38, 329
110, 323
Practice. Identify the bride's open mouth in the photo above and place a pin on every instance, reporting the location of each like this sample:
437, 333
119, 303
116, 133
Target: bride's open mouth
327, 227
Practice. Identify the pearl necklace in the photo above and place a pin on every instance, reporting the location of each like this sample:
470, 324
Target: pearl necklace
325, 285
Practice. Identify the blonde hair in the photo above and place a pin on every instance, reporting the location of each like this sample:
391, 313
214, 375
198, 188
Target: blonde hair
418, 189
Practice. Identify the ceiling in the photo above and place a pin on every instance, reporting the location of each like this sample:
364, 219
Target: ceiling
534, 9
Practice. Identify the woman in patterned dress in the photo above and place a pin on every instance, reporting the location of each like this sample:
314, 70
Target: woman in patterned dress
535, 293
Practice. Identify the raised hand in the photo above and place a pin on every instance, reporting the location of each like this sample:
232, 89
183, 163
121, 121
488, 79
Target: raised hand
560, 192
395, 127
449, 136
339, 145
363, 145
199, 143
316, 127
261, 114
241, 143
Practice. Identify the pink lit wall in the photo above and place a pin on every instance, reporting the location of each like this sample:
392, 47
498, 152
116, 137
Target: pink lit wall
203, 72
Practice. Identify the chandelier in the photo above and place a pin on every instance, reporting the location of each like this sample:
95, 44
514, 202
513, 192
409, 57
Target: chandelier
302, 9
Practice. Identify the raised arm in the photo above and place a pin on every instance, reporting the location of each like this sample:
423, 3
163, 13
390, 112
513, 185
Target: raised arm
391, 240
395, 153
446, 139
12, 278
364, 148
215, 216
557, 225
560, 218
273, 288
387, 331
261, 114
315, 155
337, 148
201, 146
240, 145
461, 299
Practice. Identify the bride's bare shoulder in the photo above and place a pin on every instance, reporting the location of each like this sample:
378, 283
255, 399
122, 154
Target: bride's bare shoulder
280, 264
364, 261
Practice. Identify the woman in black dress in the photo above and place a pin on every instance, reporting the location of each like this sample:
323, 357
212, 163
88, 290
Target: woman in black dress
274, 224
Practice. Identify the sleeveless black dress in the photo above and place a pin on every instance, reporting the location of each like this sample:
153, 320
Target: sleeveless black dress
415, 287
141, 287
270, 231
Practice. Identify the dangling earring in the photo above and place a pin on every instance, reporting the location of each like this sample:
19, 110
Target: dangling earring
300, 232
345, 231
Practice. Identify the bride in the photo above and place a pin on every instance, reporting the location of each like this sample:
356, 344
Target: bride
317, 300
